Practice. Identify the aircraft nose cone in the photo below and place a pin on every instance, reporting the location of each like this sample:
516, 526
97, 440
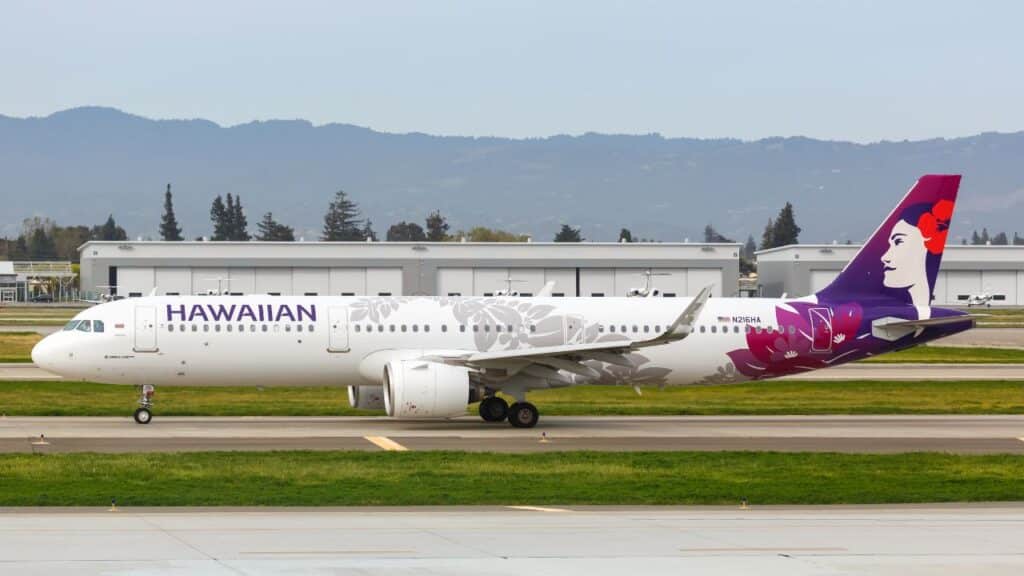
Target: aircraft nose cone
43, 353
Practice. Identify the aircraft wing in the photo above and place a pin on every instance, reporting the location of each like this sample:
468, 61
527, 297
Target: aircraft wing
546, 361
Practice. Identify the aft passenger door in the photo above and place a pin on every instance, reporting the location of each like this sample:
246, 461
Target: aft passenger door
145, 329
337, 317
821, 329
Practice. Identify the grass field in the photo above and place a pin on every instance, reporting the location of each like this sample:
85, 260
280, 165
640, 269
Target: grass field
950, 355
761, 398
420, 478
17, 346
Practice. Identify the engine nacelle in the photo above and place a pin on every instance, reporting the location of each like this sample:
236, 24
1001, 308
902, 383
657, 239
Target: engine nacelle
420, 389
366, 397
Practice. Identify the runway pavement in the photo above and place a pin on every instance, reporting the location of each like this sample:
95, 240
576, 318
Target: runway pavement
16, 371
867, 434
791, 541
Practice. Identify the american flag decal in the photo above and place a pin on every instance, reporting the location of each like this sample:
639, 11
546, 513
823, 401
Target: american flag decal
119, 325
724, 319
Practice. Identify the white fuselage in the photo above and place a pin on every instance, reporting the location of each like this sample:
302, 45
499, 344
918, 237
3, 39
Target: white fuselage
342, 341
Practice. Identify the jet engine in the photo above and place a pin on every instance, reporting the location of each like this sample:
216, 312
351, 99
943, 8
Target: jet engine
366, 397
421, 389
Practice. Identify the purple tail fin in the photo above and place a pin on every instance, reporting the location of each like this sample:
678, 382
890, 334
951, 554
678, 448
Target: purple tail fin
900, 261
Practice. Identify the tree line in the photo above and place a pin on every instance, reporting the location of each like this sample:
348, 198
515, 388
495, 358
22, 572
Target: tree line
1000, 239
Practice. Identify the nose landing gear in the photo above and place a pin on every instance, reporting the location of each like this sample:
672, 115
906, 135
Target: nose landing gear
143, 415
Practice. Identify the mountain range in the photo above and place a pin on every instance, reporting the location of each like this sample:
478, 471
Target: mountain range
79, 165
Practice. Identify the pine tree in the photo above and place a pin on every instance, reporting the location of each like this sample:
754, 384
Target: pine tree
239, 224
437, 227
367, 231
1017, 239
768, 236
984, 237
41, 245
219, 217
568, 234
786, 230
341, 222
749, 248
109, 230
625, 236
169, 229
1000, 239
270, 230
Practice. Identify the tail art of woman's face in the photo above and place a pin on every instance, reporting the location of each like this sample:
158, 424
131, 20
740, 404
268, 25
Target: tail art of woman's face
905, 260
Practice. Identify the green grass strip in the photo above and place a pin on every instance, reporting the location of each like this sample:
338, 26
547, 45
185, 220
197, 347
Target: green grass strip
951, 355
435, 478
758, 398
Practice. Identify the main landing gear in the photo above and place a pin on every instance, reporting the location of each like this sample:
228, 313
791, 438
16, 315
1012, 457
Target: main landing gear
519, 414
143, 414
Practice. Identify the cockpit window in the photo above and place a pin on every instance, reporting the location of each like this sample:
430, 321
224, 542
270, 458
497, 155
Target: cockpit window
71, 325
85, 326
97, 325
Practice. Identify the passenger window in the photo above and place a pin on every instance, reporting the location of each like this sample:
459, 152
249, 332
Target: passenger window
252, 327
714, 329
657, 328
216, 327
487, 327
298, 327
600, 328
195, 328
792, 330
97, 325
476, 327
646, 328
509, 327
611, 327
497, 327
206, 327
241, 327
635, 329
404, 327
623, 328
391, 327
533, 328
312, 326
701, 329
357, 328
444, 327
230, 327
462, 327
170, 327
264, 327
736, 329
287, 327
426, 327
181, 327
415, 327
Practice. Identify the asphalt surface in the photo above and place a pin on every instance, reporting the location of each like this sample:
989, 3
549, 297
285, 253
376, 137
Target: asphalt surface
16, 371
864, 434
545, 540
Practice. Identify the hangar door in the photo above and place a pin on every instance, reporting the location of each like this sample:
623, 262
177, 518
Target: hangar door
821, 279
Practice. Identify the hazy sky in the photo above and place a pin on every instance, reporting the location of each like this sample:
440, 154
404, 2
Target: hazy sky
850, 70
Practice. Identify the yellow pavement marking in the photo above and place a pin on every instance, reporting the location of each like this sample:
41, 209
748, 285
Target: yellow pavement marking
539, 509
385, 443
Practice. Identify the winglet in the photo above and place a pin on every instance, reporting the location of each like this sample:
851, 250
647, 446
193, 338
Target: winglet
683, 325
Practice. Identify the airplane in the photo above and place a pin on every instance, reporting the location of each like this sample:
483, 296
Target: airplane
983, 299
647, 290
430, 357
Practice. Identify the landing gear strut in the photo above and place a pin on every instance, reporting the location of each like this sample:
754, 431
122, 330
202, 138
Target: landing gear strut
143, 415
523, 415
493, 409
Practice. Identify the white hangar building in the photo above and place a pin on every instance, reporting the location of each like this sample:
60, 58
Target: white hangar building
802, 269
404, 268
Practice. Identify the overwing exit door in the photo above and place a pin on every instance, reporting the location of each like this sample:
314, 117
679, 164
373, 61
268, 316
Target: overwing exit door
337, 340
